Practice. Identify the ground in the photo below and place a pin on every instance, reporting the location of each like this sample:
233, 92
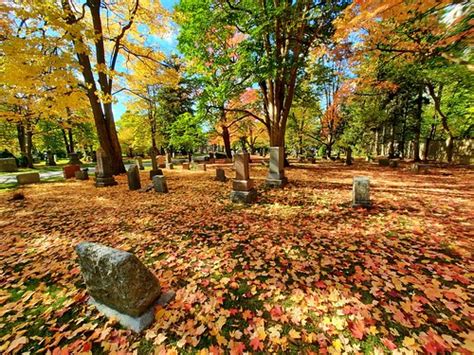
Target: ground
299, 271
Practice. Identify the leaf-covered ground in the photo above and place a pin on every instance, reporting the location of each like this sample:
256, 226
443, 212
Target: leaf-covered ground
300, 271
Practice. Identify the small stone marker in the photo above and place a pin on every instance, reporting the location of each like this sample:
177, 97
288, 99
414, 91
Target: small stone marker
169, 166
82, 174
161, 159
242, 186
384, 162
393, 163
50, 158
419, 168
139, 163
220, 175
133, 176
159, 183
361, 191
276, 172
186, 166
69, 171
203, 167
120, 285
74, 159
28, 178
103, 176
8, 165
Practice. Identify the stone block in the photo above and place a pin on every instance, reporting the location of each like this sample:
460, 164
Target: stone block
28, 178
169, 166
384, 162
241, 166
186, 166
393, 163
155, 172
8, 165
247, 197
220, 175
361, 191
103, 170
161, 160
82, 175
242, 185
69, 171
159, 183
133, 176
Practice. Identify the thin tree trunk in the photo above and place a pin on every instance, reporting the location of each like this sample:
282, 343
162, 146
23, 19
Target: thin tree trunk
226, 139
349, 156
417, 128
29, 148
66, 141
71, 140
21, 137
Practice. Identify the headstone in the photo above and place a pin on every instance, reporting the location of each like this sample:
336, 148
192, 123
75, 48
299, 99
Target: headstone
82, 174
186, 166
242, 186
74, 159
155, 172
393, 163
28, 178
69, 171
420, 168
276, 172
139, 163
204, 167
159, 183
361, 191
161, 159
169, 166
103, 170
50, 161
133, 176
384, 162
119, 284
8, 165
220, 175
154, 163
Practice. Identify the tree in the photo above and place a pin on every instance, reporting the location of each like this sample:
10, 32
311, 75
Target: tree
186, 134
102, 34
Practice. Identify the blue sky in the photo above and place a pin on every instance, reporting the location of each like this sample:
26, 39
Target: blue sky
167, 45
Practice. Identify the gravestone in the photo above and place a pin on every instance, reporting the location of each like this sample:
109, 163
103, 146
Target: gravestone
28, 178
161, 161
82, 174
393, 163
69, 171
74, 159
186, 166
420, 168
361, 191
133, 176
103, 170
220, 175
159, 183
276, 172
139, 163
204, 167
50, 158
242, 186
120, 286
169, 166
8, 165
384, 162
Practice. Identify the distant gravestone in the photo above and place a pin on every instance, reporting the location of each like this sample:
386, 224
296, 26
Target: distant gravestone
169, 166
8, 165
82, 174
159, 183
186, 166
420, 168
50, 158
69, 171
28, 178
139, 163
154, 164
103, 176
384, 162
133, 176
393, 163
74, 159
242, 186
161, 159
120, 286
276, 172
361, 191
204, 167
220, 175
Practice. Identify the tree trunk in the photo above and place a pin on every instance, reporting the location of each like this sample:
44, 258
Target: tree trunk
29, 148
66, 141
417, 128
391, 145
428, 141
226, 139
21, 137
450, 148
71, 140
349, 156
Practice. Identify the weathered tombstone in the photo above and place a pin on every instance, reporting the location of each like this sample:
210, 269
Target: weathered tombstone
139, 163
154, 164
204, 167
393, 163
74, 159
169, 166
28, 178
361, 191
133, 176
242, 186
159, 183
161, 161
82, 174
186, 166
120, 286
69, 171
220, 175
8, 165
419, 168
103, 170
50, 158
276, 172
384, 162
